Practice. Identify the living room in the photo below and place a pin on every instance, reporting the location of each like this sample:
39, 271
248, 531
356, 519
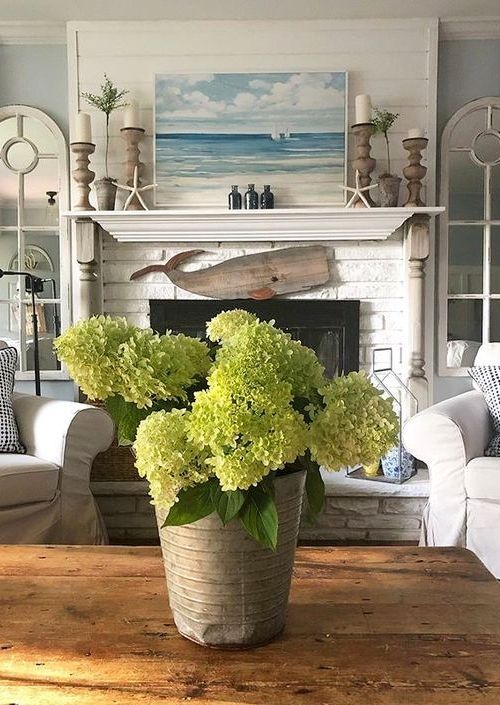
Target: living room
249, 300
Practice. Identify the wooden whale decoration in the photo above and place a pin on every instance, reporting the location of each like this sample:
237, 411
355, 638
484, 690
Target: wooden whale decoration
259, 276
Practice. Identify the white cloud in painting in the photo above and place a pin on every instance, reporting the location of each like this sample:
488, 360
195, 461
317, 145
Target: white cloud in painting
306, 100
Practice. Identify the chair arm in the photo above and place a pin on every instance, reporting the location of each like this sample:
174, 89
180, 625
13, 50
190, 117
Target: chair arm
48, 426
455, 430
446, 437
69, 435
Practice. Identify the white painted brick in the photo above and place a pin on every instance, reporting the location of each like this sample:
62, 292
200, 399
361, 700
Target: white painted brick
384, 521
381, 337
404, 505
326, 521
372, 322
368, 251
369, 290
352, 505
368, 271
340, 534
139, 290
383, 306
393, 535
116, 505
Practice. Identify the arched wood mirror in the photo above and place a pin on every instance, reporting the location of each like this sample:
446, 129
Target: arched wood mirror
33, 236
469, 254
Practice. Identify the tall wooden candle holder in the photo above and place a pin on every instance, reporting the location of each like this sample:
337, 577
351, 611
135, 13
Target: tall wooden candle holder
363, 163
415, 171
132, 136
82, 175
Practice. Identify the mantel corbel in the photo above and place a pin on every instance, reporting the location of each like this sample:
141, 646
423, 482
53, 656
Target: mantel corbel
417, 230
88, 256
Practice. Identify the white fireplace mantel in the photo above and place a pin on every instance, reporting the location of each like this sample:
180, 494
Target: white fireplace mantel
290, 224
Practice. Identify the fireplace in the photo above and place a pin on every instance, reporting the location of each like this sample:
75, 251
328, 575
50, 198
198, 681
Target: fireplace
331, 328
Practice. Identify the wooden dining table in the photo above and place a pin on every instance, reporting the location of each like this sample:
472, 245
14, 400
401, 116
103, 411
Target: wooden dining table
91, 625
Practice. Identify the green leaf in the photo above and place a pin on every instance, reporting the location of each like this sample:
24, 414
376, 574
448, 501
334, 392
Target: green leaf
227, 504
315, 490
259, 516
193, 503
127, 418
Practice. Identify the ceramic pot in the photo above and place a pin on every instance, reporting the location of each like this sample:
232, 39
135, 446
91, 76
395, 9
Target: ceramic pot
372, 469
105, 190
398, 464
389, 190
226, 590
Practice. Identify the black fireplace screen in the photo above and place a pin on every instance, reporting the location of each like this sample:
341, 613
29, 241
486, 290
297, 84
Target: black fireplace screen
331, 328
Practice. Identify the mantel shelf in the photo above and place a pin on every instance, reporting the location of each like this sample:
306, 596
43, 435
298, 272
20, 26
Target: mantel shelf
290, 224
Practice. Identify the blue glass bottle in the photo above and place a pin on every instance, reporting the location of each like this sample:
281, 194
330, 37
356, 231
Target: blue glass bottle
267, 197
234, 199
251, 198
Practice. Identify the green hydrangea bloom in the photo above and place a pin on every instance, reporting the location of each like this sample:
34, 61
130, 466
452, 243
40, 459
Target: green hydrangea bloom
166, 456
107, 356
356, 426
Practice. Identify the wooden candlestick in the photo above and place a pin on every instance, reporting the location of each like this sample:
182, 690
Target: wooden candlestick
363, 163
82, 174
415, 171
132, 136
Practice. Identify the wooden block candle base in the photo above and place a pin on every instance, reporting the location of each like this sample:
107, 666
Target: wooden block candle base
415, 171
82, 175
363, 163
132, 136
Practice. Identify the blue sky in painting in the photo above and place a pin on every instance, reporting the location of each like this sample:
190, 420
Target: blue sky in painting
251, 103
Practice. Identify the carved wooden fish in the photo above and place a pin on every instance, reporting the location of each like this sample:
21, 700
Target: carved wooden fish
258, 276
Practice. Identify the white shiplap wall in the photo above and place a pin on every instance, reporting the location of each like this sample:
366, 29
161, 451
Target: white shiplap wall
393, 60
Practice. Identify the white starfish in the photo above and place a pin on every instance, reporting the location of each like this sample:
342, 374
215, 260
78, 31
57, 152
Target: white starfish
358, 192
135, 190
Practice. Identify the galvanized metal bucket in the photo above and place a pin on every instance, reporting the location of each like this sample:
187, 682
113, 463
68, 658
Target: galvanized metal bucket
225, 590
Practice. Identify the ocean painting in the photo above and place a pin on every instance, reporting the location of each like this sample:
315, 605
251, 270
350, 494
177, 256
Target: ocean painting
219, 129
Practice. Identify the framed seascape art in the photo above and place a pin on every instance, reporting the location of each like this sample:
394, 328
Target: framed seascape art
219, 129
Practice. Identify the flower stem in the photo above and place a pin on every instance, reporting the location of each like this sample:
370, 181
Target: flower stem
107, 145
388, 153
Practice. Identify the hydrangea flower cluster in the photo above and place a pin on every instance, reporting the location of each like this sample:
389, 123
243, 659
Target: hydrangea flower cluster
355, 426
261, 404
109, 357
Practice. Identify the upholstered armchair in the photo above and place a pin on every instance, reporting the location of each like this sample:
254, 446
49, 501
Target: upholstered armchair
464, 502
45, 494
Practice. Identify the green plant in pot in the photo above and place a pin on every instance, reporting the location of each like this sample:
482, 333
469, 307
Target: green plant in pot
109, 100
389, 184
229, 434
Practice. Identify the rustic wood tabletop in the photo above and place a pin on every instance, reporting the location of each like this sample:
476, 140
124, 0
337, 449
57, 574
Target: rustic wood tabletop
370, 626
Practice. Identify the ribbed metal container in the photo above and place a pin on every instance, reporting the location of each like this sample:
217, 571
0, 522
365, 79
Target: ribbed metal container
225, 590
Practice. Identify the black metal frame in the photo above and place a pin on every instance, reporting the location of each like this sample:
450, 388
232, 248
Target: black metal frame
181, 314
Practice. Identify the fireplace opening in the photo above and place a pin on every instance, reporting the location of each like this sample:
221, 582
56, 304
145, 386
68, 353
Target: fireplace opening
330, 328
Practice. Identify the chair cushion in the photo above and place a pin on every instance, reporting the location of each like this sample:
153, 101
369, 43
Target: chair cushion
25, 479
488, 379
482, 478
9, 435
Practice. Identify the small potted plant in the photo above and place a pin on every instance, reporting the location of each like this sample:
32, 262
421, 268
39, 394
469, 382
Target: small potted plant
228, 438
388, 183
109, 100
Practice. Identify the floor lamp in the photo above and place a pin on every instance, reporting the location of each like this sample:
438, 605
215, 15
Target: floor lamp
34, 281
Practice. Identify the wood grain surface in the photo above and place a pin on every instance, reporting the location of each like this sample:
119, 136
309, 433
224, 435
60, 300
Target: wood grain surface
370, 626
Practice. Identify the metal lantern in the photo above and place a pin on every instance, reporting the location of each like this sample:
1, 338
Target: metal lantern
398, 465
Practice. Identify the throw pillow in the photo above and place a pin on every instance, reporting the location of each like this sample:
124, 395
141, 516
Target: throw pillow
9, 434
487, 377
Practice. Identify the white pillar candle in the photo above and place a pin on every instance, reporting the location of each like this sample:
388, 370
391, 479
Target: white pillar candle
131, 116
415, 133
83, 130
363, 108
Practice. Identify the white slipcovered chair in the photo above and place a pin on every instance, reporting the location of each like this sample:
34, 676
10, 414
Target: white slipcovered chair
464, 502
45, 494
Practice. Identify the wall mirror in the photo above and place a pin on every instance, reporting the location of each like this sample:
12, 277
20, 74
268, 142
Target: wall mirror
469, 236
33, 236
